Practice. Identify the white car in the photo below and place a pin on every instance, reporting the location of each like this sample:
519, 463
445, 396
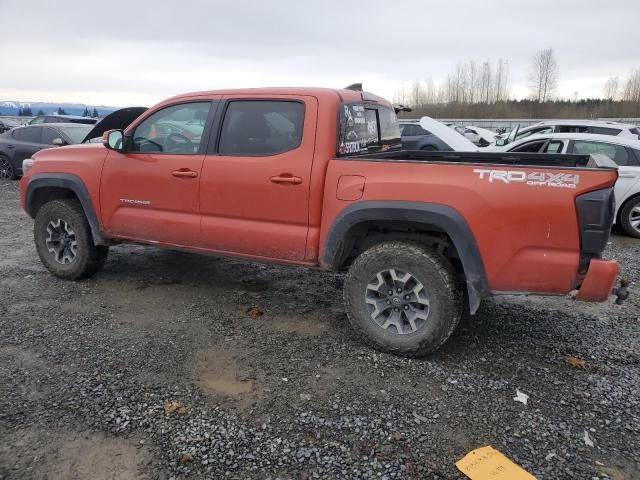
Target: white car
477, 135
623, 150
597, 127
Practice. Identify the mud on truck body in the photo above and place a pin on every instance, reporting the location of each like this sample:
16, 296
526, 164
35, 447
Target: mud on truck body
317, 178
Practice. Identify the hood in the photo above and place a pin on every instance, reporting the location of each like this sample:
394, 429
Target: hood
484, 133
120, 119
448, 135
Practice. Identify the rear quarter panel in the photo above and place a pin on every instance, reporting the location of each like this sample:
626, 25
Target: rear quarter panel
528, 235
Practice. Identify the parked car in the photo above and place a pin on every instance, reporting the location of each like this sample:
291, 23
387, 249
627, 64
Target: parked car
62, 119
624, 151
477, 135
317, 178
7, 124
22, 142
448, 134
414, 137
598, 127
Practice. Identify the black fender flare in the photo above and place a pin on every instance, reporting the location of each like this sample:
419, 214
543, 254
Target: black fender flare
76, 185
445, 218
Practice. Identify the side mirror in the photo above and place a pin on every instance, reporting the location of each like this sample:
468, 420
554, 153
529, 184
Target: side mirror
501, 142
58, 142
113, 140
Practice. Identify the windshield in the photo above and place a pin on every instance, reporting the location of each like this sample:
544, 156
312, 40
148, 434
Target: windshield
368, 128
76, 134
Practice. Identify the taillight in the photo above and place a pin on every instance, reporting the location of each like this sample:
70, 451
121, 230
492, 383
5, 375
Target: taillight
595, 217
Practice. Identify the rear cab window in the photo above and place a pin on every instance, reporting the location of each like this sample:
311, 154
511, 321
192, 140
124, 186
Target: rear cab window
367, 128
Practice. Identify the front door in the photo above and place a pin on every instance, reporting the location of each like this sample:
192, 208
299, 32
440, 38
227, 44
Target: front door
254, 194
150, 192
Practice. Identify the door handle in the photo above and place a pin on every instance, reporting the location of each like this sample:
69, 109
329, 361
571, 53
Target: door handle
184, 173
627, 175
11, 147
286, 178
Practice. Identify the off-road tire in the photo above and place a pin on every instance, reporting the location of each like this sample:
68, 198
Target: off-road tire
625, 217
89, 258
435, 273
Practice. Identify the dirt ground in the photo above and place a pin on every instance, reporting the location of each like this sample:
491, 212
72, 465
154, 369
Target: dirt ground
173, 365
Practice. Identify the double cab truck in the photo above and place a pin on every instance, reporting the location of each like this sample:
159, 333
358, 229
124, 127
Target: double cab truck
317, 178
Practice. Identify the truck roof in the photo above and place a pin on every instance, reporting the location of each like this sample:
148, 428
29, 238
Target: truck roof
342, 94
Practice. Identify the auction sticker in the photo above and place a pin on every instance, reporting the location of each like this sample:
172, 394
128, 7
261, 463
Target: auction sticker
487, 463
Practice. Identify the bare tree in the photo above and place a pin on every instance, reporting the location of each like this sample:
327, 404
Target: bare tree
501, 81
611, 88
485, 82
632, 87
543, 76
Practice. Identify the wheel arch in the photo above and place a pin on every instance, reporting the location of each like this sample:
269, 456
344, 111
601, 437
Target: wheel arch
420, 220
624, 203
45, 187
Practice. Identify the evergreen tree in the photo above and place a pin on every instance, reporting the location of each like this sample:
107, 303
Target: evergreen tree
86, 112
40, 112
95, 113
61, 111
27, 112
20, 114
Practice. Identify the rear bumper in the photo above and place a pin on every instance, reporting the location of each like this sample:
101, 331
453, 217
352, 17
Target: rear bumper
599, 281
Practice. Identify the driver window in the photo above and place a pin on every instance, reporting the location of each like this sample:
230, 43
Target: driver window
176, 129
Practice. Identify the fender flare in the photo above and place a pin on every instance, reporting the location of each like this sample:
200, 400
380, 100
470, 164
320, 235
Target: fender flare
445, 218
76, 185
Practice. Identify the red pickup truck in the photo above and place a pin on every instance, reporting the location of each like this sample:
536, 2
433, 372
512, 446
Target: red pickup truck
317, 178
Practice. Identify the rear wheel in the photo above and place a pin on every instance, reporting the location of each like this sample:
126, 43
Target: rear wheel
403, 298
7, 172
64, 243
630, 217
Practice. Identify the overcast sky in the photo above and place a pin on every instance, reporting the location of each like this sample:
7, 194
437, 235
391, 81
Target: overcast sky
122, 53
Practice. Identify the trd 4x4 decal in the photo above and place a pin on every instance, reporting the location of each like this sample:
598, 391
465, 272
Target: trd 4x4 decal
545, 179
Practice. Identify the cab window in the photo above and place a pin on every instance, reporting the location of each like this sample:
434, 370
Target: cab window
367, 128
176, 129
261, 127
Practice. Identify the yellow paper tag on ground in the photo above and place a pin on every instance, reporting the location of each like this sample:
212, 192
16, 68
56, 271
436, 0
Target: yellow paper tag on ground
487, 463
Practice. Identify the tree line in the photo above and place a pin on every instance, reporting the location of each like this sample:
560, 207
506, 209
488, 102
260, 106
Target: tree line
27, 112
483, 90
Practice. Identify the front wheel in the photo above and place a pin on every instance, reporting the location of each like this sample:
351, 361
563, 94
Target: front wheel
403, 298
630, 217
63, 240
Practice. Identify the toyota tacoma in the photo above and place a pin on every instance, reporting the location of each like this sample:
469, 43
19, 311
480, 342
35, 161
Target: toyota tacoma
317, 178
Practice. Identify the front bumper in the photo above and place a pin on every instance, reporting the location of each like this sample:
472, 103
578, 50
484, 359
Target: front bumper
599, 281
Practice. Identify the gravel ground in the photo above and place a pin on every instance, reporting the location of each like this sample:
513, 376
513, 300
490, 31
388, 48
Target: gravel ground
88, 371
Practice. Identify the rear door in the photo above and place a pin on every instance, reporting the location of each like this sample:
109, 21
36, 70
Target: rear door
254, 195
150, 192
